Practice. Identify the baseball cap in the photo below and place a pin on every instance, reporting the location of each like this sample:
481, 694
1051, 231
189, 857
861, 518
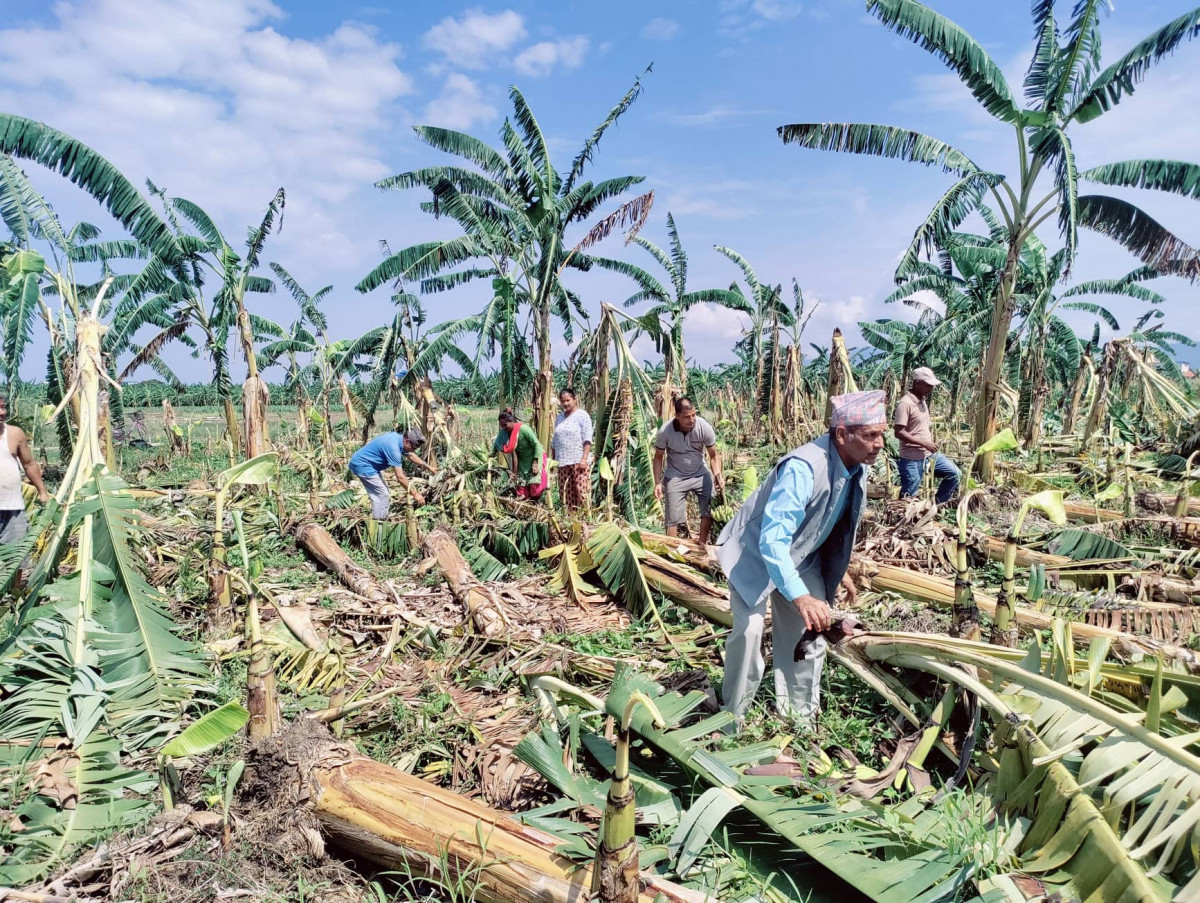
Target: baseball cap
925, 375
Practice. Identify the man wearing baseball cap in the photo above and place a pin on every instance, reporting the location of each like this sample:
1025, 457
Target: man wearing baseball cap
790, 543
388, 450
917, 446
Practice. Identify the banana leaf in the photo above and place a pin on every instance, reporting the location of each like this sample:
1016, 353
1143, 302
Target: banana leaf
1082, 545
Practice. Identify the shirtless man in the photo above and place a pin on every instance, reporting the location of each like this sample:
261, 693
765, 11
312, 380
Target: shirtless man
13, 522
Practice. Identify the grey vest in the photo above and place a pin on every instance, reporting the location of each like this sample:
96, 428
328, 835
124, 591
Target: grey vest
737, 546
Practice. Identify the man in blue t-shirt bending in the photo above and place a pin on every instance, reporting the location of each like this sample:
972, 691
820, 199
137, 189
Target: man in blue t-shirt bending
382, 452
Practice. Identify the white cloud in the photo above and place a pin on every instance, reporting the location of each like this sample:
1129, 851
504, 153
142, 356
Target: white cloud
720, 114
459, 105
660, 29
711, 321
741, 18
842, 313
206, 98
714, 199
912, 313
776, 10
543, 57
1148, 123
474, 40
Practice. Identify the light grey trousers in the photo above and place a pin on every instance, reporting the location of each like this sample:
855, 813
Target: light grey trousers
797, 684
377, 492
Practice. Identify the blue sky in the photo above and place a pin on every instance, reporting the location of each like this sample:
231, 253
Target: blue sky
222, 101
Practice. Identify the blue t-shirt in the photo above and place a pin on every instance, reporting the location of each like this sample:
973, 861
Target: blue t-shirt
382, 452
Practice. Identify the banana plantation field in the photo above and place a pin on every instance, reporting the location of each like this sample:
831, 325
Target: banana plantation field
221, 678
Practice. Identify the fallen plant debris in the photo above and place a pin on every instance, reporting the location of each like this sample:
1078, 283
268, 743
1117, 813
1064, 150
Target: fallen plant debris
220, 679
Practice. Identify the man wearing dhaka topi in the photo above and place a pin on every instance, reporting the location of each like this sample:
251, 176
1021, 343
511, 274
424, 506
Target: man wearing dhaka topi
790, 543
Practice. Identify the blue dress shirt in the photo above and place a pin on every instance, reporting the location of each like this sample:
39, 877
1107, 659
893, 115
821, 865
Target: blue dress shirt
783, 515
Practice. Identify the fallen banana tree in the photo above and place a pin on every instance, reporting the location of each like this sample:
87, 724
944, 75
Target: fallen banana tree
92, 659
1168, 503
1088, 787
939, 591
397, 821
480, 603
684, 586
1120, 823
316, 541
1186, 529
690, 590
842, 834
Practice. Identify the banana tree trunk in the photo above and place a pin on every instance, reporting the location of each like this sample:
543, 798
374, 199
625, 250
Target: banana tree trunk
256, 398
666, 404
171, 427
964, 613
793, 404
939, 591
841, 379
231, 424
106, 431
425, 400
1099, 409
758, 375
402, 823
987, 400
776, 402
351, 417
1078, 388
480, 603
680, 358
543, 384
303, 406
327, 424
87, 398
687, 589
1035, 388
255, 395
324, 549
1037, 411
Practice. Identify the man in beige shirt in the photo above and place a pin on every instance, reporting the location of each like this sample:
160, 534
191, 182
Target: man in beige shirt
917, 447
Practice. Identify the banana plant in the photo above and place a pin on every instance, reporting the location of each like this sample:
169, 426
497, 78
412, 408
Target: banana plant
202, 735
965, 613
889, 856
262, 697
616, 876
1185, 488
254, 472
1005, 440
1050, 503
1064, 87
1119, 823
93, 663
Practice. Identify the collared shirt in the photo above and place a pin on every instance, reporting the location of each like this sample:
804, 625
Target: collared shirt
784, 513
384, 451
912, 415
685, 451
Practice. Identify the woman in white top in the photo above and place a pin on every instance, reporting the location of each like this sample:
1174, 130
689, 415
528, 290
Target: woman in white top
572, 450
